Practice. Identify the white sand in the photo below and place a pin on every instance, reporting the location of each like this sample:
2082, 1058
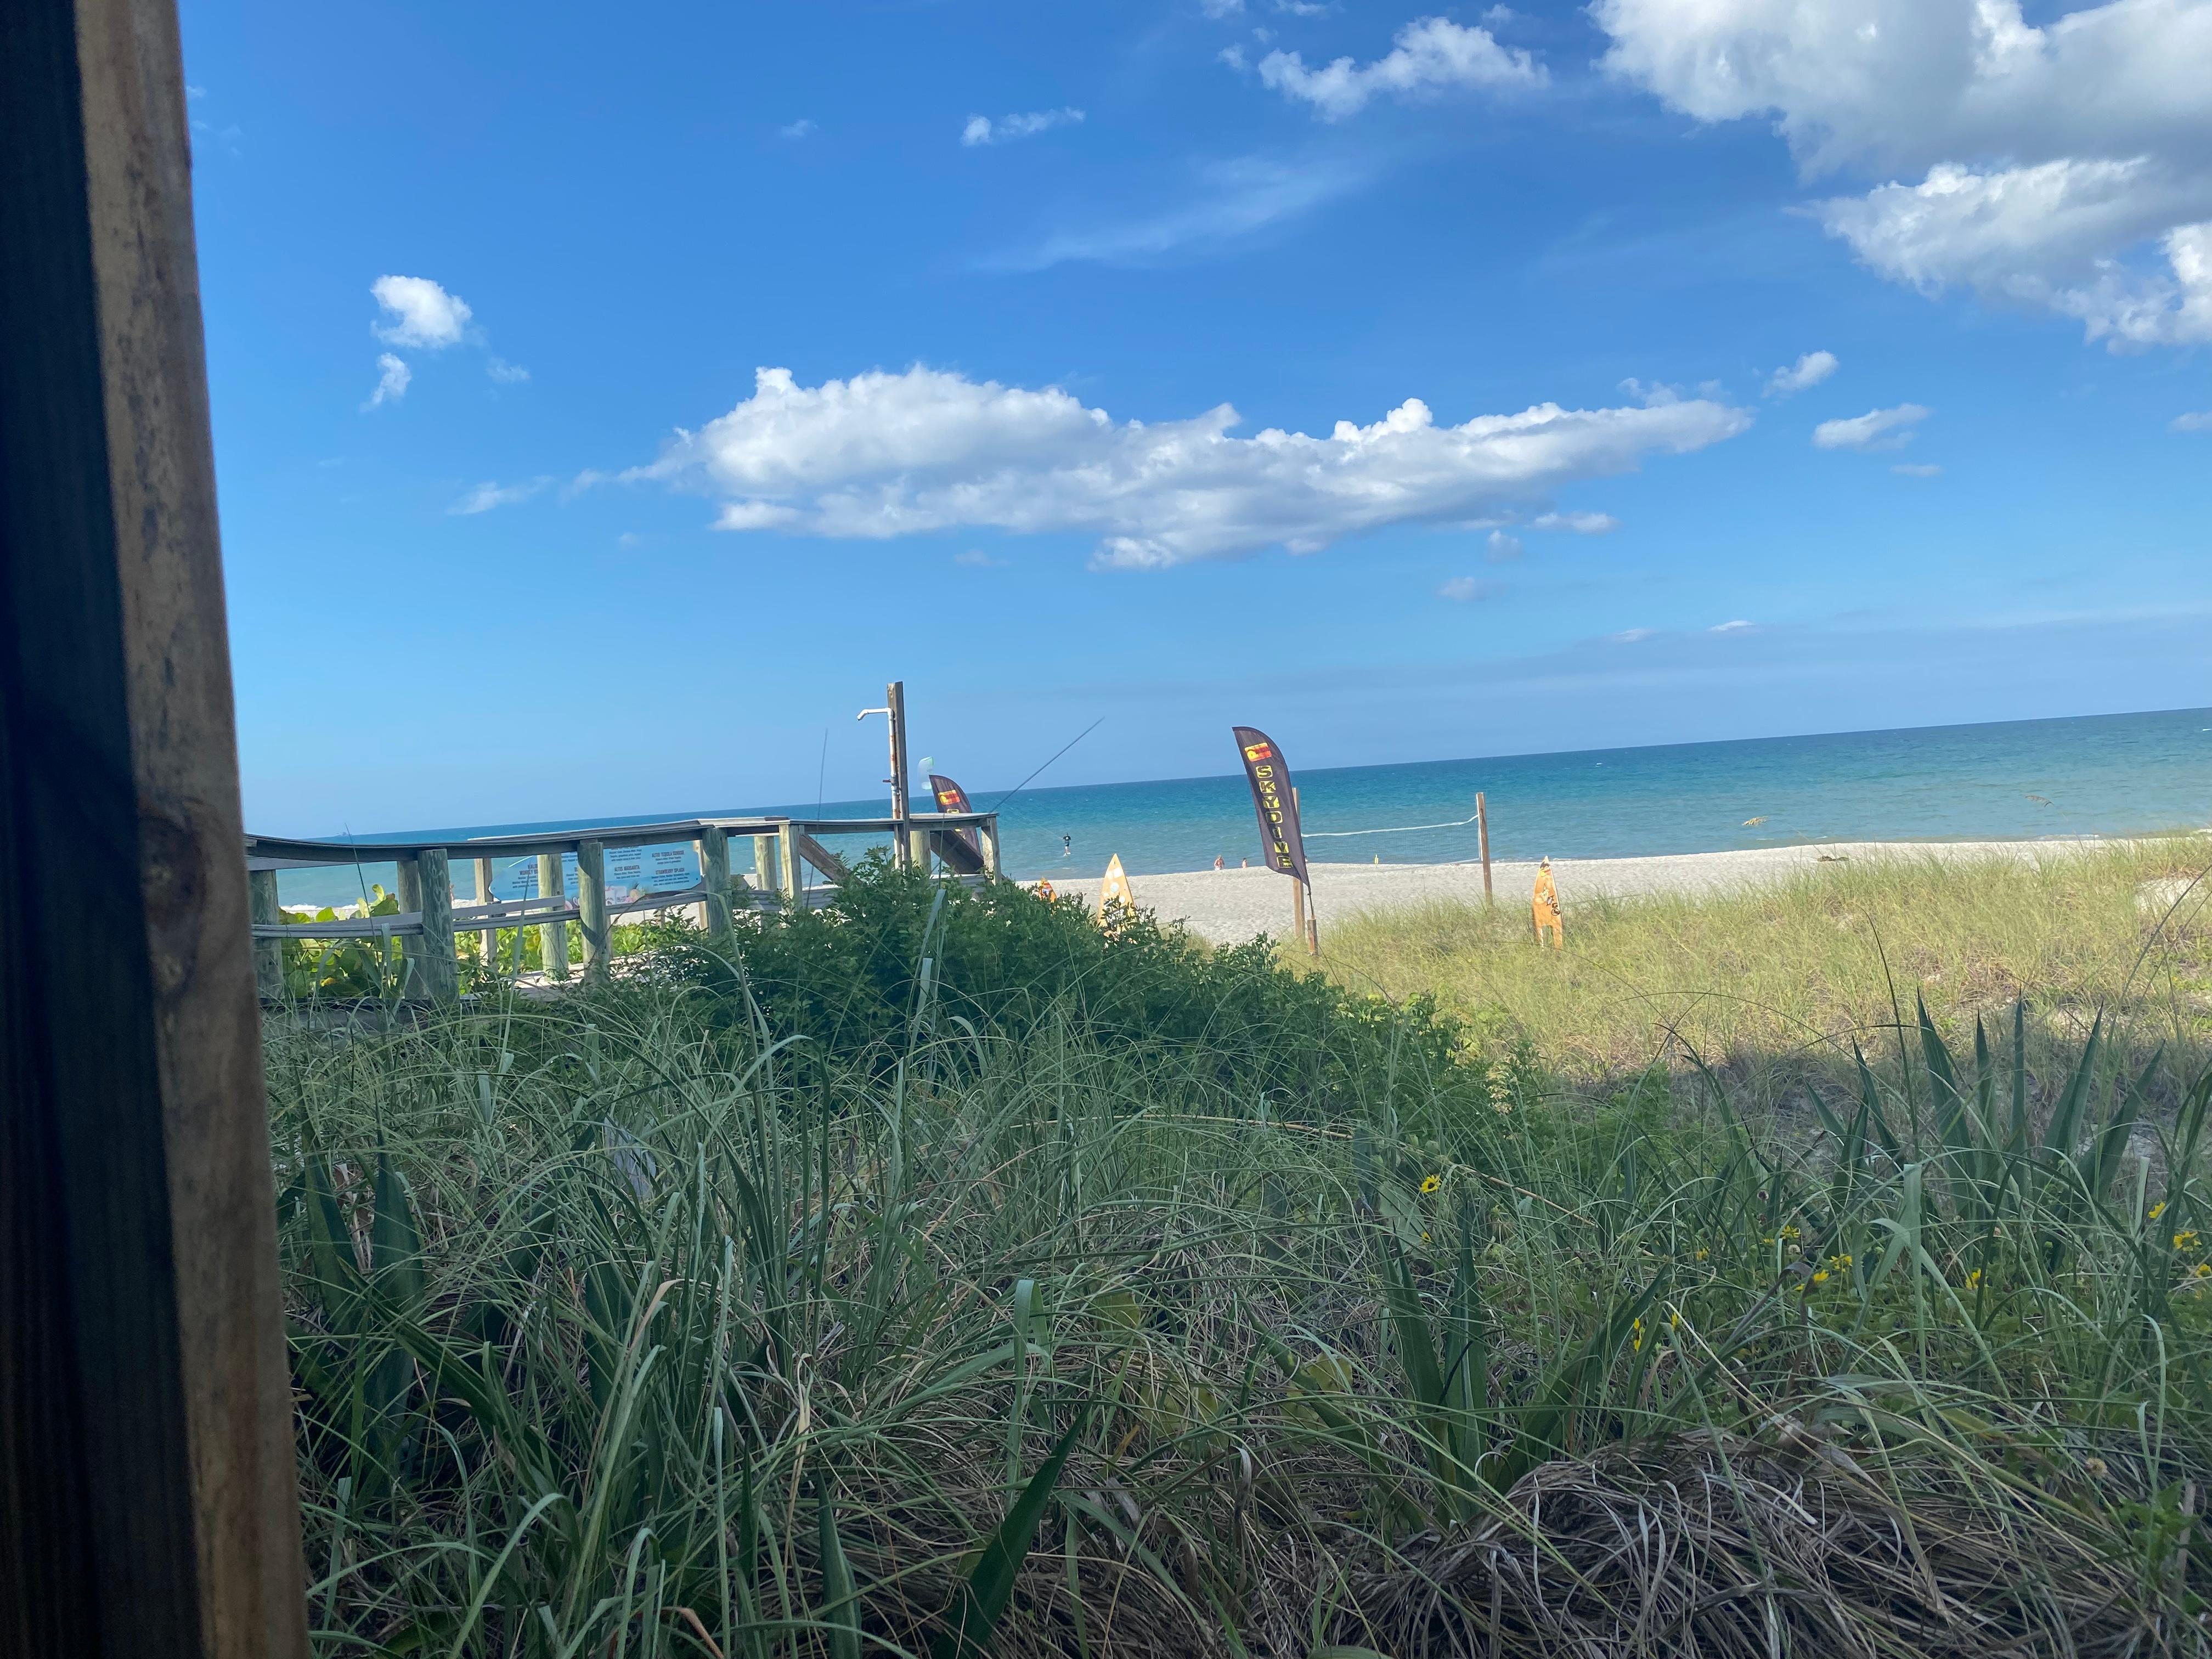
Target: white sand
1228, 905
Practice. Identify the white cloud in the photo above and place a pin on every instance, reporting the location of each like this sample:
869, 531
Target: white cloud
1916, 469
505, 373
1577, 524
1807, 371
2067, 166
391, 382
1218, 8
420, 313
976, 559
1878, 429
1428, 55
1467, 590
1503, 547
1630, 636
893, 454
1234, 202
2199, 421
982, 130
1738, 626
802, 128
486, 497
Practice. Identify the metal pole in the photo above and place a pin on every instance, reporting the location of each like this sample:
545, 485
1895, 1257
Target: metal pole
1482, 831
901, 853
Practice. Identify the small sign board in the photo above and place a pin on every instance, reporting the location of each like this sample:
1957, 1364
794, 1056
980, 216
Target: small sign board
633, 872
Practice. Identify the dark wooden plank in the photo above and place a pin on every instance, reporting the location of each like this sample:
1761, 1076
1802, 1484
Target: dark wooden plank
147, 1494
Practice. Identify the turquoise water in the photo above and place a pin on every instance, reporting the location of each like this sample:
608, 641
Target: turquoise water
2105, 774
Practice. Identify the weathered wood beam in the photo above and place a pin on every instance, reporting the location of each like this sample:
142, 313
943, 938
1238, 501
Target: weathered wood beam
553, 938
592, 906
714, 875
266, 908
147, 1500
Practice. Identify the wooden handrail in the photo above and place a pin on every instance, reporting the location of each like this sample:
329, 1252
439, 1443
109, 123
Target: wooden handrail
428, 926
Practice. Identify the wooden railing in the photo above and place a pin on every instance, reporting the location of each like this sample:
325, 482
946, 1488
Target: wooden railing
428, 922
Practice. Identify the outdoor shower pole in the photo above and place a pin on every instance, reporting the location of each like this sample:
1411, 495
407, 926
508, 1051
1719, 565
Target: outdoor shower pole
902, 851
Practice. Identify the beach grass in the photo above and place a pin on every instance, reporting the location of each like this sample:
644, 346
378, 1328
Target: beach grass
1779, 983
940, 1274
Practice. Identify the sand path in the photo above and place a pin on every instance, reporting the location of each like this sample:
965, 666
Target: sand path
1228, 905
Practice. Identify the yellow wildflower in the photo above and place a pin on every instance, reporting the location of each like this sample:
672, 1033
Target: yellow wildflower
1821, 1277
1429, 1184
2158, 1209
1974, 1279
2185, 1239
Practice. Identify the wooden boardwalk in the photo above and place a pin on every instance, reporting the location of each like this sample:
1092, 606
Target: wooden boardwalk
428, 922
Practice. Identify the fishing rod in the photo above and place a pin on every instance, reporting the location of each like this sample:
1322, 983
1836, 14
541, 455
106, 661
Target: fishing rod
1057, 753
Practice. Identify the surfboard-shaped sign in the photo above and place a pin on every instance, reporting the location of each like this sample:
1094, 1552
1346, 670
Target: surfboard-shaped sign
1114, 888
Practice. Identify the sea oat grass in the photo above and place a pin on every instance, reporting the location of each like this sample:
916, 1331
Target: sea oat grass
1183, 1307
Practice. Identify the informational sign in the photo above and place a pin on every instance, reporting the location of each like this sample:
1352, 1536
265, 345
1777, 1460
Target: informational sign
633, 872
1275, 802
1115, 889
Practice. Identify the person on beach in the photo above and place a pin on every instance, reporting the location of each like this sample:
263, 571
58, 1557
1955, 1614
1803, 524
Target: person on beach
1220, 863
1546, 906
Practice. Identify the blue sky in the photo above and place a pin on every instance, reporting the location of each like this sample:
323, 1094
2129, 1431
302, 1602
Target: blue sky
1702, 371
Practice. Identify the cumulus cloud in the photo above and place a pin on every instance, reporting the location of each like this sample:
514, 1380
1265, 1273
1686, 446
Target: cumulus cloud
1468, 589
486, 497
392, 380
894, 454
419, 313
1878, 429
2199, 420
2067, 166
1428, 56
802, 128
1503, 547
983, 130
424, 315
1577, 524
1807, 371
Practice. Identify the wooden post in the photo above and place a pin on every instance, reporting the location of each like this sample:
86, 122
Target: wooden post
148, 1499
793, 873
1309, 927
765, 876
592, 906
917, 850
988, 833
713, 846
268, 953
1482, 835
490, 935
553, 937
426, 885
902, 849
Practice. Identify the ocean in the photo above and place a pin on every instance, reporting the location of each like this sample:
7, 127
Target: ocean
2113, 775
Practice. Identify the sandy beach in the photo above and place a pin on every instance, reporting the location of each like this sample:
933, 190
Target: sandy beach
1228, 906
